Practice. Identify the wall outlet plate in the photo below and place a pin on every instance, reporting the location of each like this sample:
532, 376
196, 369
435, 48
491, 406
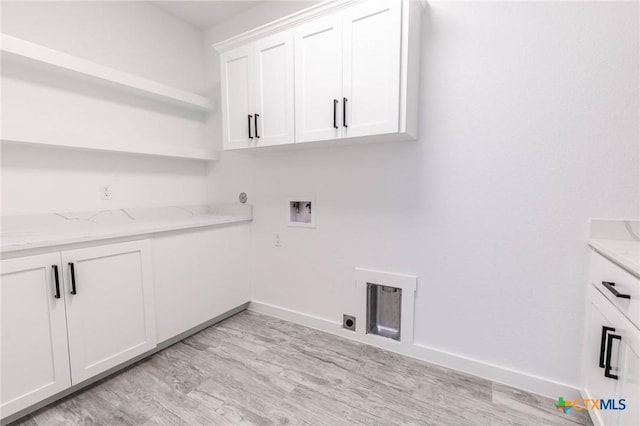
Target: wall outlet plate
105, 192
349, 322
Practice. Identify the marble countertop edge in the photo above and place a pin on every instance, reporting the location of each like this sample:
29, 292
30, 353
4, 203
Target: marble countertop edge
622, 253
59, 241
30, 232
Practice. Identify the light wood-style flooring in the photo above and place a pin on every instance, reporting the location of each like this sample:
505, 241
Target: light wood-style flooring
253, 369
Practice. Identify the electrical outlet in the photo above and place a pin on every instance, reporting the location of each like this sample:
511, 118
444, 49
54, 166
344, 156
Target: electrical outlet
277, 242
349, 322
105, 192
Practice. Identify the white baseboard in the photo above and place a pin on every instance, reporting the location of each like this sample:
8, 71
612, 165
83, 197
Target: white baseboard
518, 379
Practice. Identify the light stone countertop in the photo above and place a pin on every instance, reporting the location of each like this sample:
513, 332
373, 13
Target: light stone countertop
54, 229
618, 240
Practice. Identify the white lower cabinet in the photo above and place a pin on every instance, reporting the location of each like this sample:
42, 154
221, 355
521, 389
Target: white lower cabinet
206, 277
70, 315
603, 356
630, 381
35, 356
611, 360
110, 310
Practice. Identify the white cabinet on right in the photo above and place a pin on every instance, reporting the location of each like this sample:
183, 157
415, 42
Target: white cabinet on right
611, 354
356, 75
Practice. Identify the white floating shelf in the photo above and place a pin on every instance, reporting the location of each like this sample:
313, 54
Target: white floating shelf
36, 54
148, 150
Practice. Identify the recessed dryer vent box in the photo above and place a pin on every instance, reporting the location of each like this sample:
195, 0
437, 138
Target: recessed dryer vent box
301, 212
384, 310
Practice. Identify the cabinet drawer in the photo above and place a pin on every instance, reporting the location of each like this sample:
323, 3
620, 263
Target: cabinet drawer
604, 271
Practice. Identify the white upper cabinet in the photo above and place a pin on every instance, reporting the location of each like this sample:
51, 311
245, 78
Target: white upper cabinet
355, 76
257, 93
237, 98
318, 56
371, 68
274, 79
35, 357
109, 303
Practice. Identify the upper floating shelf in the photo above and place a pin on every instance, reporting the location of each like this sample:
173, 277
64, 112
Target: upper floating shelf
145, 150
50, 58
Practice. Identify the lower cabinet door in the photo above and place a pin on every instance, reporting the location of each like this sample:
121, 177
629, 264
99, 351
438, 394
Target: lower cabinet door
630, 377
110, 310
601, 322
35, 357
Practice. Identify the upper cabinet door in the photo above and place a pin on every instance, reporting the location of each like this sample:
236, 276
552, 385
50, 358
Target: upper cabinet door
274, 81
110, 310
35, 357
318, 78
371, 64
237, 98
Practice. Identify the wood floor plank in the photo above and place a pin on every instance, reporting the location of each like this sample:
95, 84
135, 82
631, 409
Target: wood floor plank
530, 406
253, 369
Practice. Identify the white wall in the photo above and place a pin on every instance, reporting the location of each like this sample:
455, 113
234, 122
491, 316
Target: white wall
134, 37
529, 126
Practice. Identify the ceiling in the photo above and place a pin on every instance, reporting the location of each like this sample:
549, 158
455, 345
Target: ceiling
204, 13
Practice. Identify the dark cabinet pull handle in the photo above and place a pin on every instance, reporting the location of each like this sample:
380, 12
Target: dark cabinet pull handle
256, 125
607, 365
603, 344
335, 108
72, 269
56, 280
609, 286
249, 125
344, 112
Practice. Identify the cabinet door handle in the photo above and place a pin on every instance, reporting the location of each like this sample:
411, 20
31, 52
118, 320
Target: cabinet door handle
72, 269
344, 112
335, 109
249, 125
607, 365
609, 286
256, 125
603, 344
56, 279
